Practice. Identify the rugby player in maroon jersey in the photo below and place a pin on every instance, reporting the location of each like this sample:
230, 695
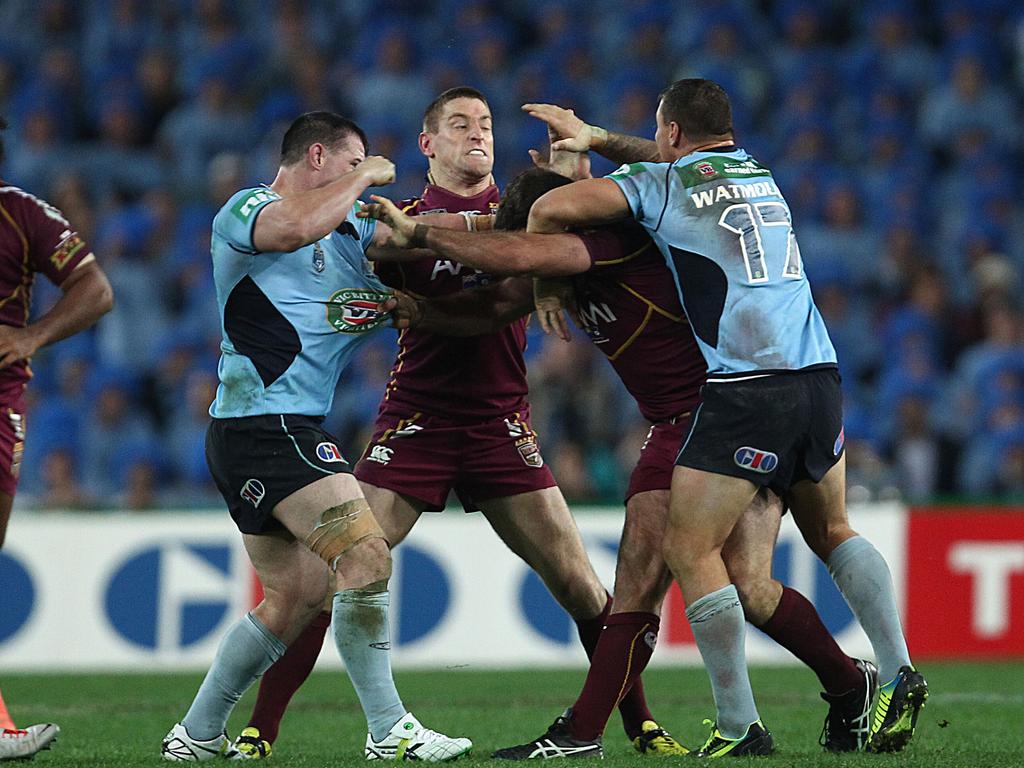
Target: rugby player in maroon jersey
35, 237
624, 298
455, 417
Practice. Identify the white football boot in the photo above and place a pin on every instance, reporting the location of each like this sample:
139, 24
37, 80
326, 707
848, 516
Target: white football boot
409, 740
24, 743
179, 747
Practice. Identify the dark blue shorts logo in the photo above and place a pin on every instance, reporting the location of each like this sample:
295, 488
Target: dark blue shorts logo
329, 452
253, 491
839, 442
756, 460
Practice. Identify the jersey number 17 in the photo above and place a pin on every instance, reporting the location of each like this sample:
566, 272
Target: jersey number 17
746, 221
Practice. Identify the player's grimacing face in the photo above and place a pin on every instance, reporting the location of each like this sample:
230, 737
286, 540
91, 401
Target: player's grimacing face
464, 142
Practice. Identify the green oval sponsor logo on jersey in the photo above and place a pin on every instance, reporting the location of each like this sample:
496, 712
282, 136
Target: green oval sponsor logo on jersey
355, 310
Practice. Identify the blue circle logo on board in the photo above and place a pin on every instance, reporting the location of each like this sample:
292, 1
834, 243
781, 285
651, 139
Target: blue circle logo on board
170, 596
19, 596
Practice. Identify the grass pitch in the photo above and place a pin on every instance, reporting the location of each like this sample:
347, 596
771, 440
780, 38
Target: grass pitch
973, 718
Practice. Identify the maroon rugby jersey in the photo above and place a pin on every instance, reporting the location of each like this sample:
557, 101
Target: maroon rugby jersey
34, 237
629, 307
459, 378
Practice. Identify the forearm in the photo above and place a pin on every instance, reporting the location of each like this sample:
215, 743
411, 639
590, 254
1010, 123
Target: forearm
620, 148
319, 211
501, 253
299, 219
479, 311
85, 301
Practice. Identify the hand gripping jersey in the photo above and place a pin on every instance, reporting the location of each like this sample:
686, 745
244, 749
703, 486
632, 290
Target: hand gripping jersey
34, 237
290, 321
726, 234
468, 378
628, 306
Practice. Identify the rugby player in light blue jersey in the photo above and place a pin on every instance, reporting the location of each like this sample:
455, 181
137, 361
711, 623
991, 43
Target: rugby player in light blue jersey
297, 296
771, 412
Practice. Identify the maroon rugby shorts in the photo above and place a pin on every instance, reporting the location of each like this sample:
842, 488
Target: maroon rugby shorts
426, 457
653, 472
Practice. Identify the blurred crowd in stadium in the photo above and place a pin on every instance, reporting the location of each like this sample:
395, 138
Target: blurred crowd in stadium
893, 129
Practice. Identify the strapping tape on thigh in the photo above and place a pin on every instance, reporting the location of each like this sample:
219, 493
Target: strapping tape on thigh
341, 528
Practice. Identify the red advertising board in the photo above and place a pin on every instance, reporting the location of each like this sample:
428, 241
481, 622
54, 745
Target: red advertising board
965, 583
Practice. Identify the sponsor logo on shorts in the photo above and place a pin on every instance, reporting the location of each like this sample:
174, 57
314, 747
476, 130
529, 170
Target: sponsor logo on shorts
840, 440
380, 454
756, 460
530, 452
329, 452
355, 310
17, 423
651, 638
515, 427
253, 491
385, 646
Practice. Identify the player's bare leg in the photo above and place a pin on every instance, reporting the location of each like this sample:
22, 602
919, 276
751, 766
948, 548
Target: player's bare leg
396, 514
642, 577
863, 577
280, 682
539, 527
332, 519
6, 502
704, 509
748, 557
630, 632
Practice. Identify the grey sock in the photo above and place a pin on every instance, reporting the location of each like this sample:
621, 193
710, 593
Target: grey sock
363, 637
861, 574
246, 652
720, 631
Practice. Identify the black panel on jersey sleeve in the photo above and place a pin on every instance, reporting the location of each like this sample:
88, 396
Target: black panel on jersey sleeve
259, 331
704, 287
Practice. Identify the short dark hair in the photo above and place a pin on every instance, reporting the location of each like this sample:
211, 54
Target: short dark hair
432, 115
327, 128
699, 107
3, 127
520, 195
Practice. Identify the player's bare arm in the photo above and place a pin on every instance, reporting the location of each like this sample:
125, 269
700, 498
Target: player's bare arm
582, 204
578, 136
87, 297
475, 312
384, 247
498, 253
303, 217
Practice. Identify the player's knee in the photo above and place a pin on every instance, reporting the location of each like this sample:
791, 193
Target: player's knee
282, 611
342, 528
368, 562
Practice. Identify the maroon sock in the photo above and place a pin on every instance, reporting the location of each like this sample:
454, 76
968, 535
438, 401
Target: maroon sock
286, 676
623, 650
796, 626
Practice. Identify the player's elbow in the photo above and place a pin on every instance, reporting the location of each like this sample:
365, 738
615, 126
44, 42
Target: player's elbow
104, 296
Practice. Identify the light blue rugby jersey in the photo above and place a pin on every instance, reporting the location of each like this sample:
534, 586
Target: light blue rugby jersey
725, 231
290, 322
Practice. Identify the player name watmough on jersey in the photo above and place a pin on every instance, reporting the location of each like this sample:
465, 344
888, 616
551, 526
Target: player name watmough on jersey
734, 192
